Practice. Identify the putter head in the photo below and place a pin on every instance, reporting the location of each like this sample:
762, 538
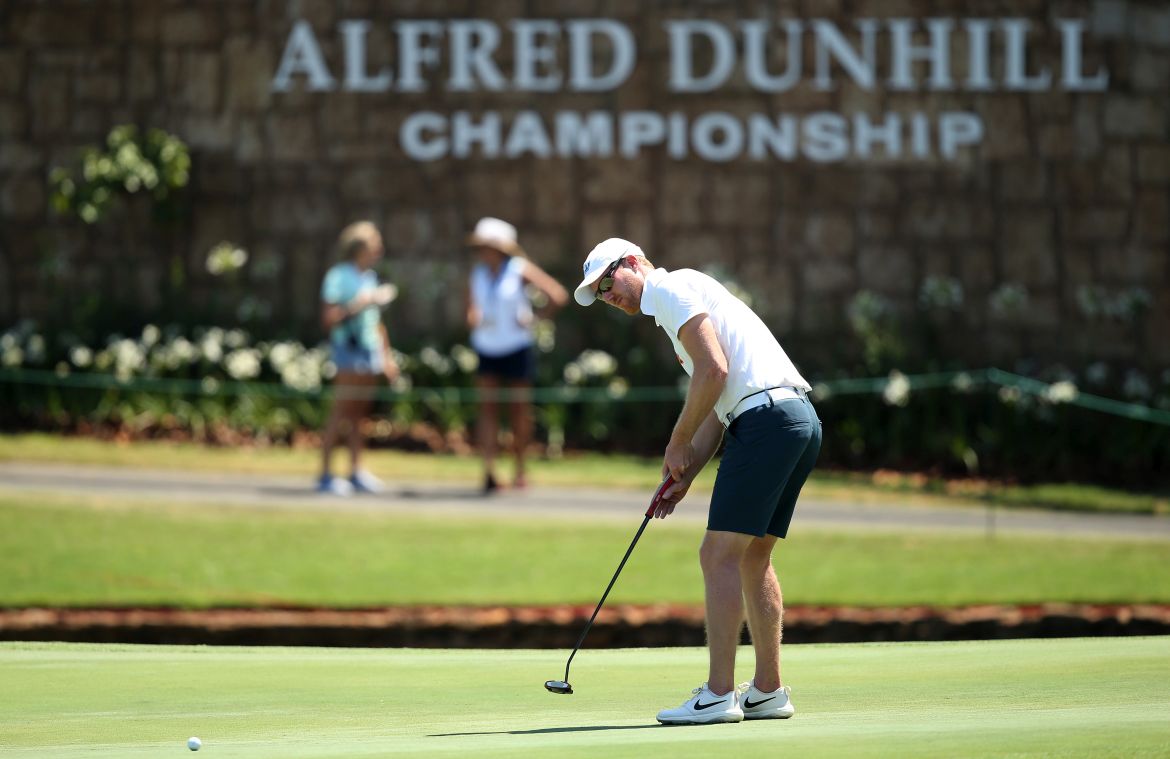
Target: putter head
558, 686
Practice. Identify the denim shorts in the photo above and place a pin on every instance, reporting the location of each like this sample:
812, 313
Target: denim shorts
769, 453
356, 358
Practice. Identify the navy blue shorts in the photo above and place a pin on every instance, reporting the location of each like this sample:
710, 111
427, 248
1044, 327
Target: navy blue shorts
518, 366
769, 453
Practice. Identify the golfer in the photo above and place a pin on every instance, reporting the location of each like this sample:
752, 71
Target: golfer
742, 384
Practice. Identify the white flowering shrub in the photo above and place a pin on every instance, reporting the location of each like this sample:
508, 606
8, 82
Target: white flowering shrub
164, 379
225, 258
222, 384
152, 163
897, 389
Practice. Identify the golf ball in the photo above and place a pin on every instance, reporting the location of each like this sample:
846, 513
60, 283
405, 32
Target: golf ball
194, 743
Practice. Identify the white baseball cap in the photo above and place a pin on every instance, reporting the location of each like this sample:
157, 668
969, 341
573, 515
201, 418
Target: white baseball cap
604, 254
496, 234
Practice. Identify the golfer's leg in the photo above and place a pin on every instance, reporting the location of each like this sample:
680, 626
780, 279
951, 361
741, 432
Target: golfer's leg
765, 609
720, 557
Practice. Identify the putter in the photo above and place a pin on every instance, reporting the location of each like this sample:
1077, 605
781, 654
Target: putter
562, 686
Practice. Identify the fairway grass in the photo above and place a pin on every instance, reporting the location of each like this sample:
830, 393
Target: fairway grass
576, 470
1070, 697
108, 551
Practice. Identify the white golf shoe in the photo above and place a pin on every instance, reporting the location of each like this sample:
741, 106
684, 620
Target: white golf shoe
758, 704
704, 708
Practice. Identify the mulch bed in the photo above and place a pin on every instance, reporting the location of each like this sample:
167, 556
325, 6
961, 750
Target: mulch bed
559, 626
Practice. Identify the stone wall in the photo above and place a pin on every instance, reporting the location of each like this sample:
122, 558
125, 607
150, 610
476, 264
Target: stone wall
1067, 193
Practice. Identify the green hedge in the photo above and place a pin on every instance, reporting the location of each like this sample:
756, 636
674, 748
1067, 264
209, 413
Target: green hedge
224, 386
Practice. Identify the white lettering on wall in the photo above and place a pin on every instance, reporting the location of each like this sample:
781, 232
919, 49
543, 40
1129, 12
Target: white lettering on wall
905, 52
771, 137
1071, 32
415, 140
640, 129
417, 48
591, 135
978, 47
536, 49
682, 75
356, 79
582, 76
825, 137
888, 134
466, 133
770, 56
957, 130
472, 44
302, 55
471, 48
527, 136
1016, 58
862, 68
716, 136
755, 56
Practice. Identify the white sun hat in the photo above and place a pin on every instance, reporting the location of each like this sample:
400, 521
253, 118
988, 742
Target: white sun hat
497, 234
604, 254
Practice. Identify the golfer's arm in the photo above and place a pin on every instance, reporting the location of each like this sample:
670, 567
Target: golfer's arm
707, 440
707, 380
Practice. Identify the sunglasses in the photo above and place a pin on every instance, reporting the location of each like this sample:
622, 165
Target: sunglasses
605, 284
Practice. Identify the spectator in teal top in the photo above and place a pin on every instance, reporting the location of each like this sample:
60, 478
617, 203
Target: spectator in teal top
351, 299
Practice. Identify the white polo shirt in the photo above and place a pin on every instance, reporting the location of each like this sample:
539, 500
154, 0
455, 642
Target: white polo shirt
506, 314
755, 361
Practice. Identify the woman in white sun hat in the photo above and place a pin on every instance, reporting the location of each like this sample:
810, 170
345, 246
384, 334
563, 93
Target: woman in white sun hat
500, 317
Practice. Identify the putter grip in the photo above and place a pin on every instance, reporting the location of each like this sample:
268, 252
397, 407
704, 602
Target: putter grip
658, 495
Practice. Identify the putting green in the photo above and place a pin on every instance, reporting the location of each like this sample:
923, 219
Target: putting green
1079, 697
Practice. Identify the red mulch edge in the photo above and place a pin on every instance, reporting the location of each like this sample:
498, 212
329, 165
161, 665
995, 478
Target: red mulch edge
559, 626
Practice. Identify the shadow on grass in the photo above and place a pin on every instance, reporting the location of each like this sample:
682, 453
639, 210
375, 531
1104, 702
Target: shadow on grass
544, 730
406, 493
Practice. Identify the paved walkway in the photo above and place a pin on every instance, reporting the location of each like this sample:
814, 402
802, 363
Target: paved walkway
197, 488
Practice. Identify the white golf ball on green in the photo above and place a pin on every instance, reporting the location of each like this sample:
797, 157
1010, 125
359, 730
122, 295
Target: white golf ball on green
194, 743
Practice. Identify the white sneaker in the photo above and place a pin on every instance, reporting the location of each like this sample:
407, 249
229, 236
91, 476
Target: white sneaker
334, 485
364, 482
704, 708
758, 704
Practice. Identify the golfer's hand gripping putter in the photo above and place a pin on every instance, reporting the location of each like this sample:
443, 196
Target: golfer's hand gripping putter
562, 686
